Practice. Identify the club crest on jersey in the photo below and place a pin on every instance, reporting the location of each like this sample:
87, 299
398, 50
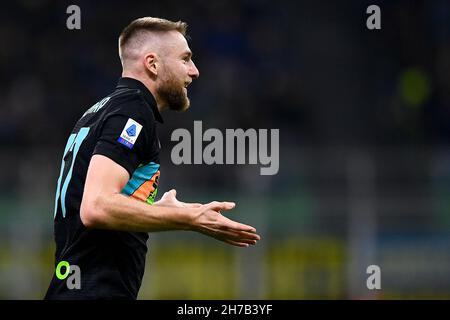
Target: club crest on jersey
130, 133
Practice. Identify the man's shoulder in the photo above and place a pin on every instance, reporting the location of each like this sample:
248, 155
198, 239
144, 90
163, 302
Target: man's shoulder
127, 96
128, 101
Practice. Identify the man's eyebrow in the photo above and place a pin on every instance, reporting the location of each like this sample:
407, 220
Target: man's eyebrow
187, 53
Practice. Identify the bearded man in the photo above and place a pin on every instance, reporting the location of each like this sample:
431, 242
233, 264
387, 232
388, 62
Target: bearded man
105, 198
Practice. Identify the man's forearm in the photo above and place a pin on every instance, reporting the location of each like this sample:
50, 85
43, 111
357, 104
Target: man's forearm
119, 212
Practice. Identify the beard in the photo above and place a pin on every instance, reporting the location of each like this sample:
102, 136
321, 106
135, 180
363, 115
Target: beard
172, 92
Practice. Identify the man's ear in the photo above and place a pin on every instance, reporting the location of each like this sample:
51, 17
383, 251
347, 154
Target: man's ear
151, 63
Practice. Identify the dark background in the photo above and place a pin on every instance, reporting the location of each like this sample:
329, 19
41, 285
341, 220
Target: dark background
364, 130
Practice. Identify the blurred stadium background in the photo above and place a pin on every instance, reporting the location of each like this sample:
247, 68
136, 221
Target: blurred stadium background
364, 132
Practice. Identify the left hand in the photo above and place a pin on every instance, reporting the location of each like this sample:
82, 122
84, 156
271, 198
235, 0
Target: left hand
169, 199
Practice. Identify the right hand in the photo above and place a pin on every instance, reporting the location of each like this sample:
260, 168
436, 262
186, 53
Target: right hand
209, 221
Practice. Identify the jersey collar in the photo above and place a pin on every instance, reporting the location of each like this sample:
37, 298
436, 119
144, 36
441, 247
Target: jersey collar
148, 97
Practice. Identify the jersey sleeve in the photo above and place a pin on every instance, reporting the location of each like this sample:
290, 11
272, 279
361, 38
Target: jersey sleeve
127, 136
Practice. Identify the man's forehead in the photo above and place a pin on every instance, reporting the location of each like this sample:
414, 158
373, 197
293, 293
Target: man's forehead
175, 41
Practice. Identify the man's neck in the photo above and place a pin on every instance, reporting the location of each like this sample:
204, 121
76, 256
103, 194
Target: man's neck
150, 85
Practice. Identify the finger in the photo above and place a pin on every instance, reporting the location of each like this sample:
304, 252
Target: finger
243, 238
167, 194
241, 234
230, 237
237, 226
247, 241
236, 243
237, 236
173, 192
192, 205
217, 206
249, 235
164, 194
227, 223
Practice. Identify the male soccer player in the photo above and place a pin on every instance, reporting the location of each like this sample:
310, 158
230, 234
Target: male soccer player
105, 194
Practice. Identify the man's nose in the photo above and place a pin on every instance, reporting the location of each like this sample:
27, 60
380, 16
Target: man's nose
193, 71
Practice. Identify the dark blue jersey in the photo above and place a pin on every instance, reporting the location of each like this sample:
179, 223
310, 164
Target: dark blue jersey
122, 127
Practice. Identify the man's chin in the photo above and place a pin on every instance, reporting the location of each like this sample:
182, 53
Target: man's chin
185, 108
179, 107
174, 99
187, 105
187, 102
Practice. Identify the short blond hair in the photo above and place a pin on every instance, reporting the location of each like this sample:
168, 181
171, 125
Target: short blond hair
148, 24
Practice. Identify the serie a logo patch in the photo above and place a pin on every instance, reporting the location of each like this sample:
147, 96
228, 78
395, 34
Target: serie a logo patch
130, 133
